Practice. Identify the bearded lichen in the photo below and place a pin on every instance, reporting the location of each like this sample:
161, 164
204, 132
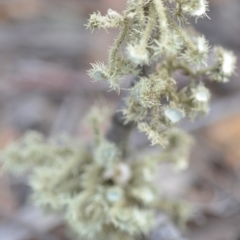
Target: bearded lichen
104, 193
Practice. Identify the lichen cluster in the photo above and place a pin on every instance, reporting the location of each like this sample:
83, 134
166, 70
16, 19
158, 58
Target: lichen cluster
101, 195
156, 33
104, 193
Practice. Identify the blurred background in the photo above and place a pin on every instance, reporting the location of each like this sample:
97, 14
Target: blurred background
45, 51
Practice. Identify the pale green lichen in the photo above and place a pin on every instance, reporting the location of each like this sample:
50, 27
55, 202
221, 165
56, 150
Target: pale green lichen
97, 190
151, 32
103, 195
